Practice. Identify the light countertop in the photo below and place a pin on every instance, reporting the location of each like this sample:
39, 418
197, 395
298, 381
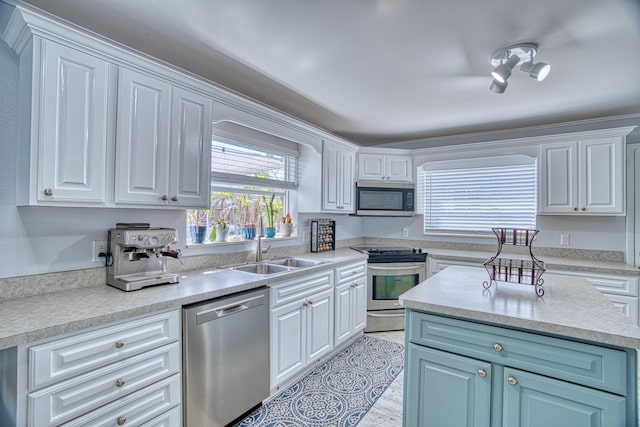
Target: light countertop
570, 307
36, 317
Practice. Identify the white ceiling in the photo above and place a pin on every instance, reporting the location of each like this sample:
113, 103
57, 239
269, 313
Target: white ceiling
383, 71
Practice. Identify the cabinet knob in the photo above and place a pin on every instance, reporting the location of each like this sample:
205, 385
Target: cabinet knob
497, 347
575, 209
174, 198
48, 192
119, 382
306, 303
482, 373
512, 381
310, 302
119, 344
164, 198
583, 209
121, 420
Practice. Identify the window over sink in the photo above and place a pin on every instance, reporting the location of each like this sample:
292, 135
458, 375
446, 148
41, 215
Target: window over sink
473, 195
248, 180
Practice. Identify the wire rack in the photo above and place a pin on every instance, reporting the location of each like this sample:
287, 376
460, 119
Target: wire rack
502, 269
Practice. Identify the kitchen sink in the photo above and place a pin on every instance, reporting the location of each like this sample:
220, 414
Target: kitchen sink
261, 268
296, 262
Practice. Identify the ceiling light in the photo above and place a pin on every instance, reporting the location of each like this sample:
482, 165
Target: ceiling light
502, 72
538, 71
506, 59
498, 87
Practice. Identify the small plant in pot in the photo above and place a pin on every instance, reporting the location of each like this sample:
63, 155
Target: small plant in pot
197, 222
270, 225
286, 225
250, 212
221, 230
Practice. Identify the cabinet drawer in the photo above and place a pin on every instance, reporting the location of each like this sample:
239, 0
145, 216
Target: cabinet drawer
136, 408
594, 366
350, 272
610, 284
170, 418
72, 398
292, 290
437, 265
67, 357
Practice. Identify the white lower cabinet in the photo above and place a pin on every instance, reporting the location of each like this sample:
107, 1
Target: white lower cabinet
301, 325
351, 301
126, 373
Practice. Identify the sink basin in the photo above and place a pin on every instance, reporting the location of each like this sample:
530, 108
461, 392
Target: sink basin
296, 262
262, 268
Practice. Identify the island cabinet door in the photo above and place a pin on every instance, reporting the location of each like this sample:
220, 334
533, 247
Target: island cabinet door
536, 401
445, 389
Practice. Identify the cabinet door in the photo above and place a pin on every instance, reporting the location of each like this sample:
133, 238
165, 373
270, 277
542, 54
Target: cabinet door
445, 389
536, 401
371, 167
330, 176
343, 312
190, 158
288, 328
359, 298
558, 179
398, 168
627, 305
72, 153
319, 325
347, 180
142, 145
602, 177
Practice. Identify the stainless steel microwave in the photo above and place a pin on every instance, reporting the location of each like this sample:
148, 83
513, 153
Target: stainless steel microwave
385, 198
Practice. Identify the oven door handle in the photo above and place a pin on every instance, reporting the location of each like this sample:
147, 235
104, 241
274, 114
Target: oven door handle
385, 315
393, 268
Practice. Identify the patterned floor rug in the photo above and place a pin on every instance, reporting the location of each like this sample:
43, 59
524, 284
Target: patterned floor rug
337, 393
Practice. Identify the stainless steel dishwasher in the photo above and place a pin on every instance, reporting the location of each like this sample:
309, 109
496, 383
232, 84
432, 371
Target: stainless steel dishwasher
226, 358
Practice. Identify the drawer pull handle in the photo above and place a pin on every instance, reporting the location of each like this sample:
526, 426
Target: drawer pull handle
497, 347
512, 381
119, 382
482, 373
121, 420
119, 344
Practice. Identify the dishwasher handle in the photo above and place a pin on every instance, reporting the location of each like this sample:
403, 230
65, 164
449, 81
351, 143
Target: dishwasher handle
221, 311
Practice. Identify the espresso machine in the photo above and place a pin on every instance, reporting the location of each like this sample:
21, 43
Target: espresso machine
137, 256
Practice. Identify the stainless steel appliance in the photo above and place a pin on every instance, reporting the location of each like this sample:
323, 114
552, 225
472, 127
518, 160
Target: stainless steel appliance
385, 198
390, 272
226, 358
136, 256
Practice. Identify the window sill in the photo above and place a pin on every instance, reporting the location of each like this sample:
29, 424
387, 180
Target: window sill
238, 241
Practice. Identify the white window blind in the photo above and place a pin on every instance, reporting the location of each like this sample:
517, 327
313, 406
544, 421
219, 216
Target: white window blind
493, 192
235, 164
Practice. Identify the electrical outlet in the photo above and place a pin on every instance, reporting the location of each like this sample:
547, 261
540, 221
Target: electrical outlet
99, 246
564, 240
405, 231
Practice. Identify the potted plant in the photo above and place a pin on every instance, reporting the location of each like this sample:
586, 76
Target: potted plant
197, 221
286, 225
250, 210
270, 226
221, 230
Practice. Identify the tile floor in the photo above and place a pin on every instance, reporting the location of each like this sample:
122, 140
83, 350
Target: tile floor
387, 411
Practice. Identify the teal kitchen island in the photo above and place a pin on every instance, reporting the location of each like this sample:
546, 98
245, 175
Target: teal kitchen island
506, 357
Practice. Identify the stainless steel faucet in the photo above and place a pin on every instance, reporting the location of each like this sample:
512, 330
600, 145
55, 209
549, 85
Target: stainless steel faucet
260, 233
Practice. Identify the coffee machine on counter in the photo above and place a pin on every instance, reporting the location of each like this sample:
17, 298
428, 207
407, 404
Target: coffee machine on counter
137, 256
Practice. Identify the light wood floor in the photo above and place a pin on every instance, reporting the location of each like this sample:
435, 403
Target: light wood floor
387, 411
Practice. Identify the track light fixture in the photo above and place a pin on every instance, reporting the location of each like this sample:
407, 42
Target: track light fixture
506, 59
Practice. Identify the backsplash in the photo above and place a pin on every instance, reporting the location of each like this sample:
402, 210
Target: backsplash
17, 287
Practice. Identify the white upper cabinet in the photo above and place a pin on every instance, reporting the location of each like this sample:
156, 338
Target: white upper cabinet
327, 178
380, 167
338, 178
163, 143
584, 177
67, 142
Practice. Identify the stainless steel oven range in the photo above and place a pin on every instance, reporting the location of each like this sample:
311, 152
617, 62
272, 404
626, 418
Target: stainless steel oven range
391, 271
